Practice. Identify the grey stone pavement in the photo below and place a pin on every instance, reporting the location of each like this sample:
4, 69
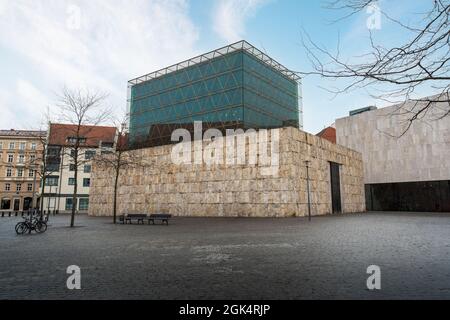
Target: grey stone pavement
231, 258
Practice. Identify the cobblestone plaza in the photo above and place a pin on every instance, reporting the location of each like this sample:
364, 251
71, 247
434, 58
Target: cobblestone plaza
231, 258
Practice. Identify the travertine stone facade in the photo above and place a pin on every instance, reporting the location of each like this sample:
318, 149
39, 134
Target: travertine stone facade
394, 152
235, 190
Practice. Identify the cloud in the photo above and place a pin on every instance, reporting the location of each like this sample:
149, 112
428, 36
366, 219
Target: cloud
229, 17
31, 94
89, 44
7, 116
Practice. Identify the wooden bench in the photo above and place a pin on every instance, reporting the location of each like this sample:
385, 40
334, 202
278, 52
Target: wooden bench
139, 217
163, 217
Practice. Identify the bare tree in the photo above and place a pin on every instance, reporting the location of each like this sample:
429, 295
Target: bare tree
120, 160
38, 162
422, 61
83, 110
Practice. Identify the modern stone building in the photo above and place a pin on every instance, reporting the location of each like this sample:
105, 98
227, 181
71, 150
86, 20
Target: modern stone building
259, 170
275, 188
20, 158
406, 170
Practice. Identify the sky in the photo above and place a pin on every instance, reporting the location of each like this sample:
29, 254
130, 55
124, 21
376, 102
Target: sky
46, 45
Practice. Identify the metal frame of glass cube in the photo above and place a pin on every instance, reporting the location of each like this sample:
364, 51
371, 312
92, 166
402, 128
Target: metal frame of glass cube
236, 86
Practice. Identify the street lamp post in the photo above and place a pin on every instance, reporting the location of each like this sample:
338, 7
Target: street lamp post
307, 162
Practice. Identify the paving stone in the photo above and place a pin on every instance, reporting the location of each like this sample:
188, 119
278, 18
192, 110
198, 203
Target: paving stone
231, 258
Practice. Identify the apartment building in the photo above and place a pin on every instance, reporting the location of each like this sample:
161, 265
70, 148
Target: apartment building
58, 190
20, 161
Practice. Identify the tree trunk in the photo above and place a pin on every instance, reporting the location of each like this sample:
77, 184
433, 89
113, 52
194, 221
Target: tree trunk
75, 187
116, 182
115, 195
44, 181
41, 204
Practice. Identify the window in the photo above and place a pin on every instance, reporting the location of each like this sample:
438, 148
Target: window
68, 203
89, 154
21, 158
86, 182
10, 158
1, 145
72, 153
9, 172
22, 146
87, 168
74, 140
52, 167
7, 186
32, 158
84, 204
53, 151
18, 187
6, 204
30, 173
71, 140
30, 187
51, 181
71, 181
33, 146
20, 172
71, 167
11, 145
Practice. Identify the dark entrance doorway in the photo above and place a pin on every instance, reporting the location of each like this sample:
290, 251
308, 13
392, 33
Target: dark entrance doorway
27, 202
423, 196
16, 204
335, 187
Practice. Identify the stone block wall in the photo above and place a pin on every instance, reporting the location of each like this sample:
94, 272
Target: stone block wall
234, 190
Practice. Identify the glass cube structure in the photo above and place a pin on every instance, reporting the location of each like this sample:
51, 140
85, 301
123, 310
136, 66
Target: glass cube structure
236, 86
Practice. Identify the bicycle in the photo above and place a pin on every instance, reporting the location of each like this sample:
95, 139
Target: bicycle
31, 224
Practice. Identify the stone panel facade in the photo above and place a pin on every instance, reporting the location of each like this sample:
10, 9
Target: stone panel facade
235, 190
395, 150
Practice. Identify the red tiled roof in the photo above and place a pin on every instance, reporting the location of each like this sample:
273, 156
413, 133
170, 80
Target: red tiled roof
328, 133
22, 133
59, 133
